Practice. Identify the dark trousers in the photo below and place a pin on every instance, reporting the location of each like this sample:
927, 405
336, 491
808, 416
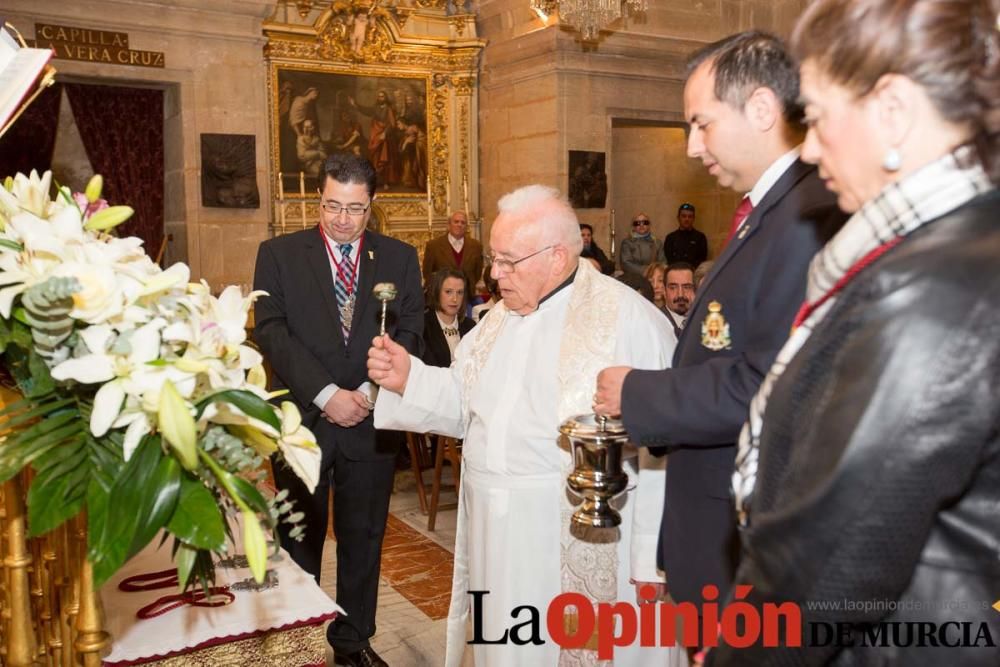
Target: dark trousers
361, 492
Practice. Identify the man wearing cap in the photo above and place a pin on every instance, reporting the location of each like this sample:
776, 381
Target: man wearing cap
686, 244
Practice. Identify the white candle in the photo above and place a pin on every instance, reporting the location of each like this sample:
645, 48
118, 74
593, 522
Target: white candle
281, 201
447, 194
430, 208
281, 186
302, 193
465, 196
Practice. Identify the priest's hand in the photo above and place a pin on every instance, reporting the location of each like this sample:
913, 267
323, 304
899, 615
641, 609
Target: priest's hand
388, 364
608, 398
346, 408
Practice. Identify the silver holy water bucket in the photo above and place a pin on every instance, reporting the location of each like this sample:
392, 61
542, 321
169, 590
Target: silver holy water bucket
596, 444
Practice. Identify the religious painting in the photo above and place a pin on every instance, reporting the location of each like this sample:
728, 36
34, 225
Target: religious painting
588, 183
381, 118
229, 171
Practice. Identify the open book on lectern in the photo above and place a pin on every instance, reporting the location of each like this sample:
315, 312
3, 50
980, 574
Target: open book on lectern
24, 73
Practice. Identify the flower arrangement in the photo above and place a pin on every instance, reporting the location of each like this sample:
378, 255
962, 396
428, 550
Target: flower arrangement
142, 403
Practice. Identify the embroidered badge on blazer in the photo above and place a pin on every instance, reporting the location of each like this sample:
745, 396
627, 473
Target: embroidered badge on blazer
715, 329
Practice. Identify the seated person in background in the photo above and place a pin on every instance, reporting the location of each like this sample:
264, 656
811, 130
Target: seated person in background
702, 271
493, 287
655, 273
444, 320
592, 251
641, 249
637, 282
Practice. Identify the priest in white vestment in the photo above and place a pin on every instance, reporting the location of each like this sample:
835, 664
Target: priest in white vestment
531, 363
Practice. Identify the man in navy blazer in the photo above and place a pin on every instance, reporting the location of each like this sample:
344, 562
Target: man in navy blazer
315, 328
741, 100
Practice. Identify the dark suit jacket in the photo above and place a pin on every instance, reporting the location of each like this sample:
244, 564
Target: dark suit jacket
438, 254
298, 325
436, 350
698, 407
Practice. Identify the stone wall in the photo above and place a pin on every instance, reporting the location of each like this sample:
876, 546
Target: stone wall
543, 93
214, 82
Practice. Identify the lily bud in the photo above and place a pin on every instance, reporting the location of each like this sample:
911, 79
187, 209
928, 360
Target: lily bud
94, 188
109, 218
177, 425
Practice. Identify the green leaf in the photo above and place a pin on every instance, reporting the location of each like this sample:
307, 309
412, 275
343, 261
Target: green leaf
145, 495
197, 520
54, 498
41, 381
255, 545
248, 494
247, 402
98, 497
184, 558
12, 245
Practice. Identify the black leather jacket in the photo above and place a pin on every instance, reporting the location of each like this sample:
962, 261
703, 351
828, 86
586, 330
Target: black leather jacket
878, 487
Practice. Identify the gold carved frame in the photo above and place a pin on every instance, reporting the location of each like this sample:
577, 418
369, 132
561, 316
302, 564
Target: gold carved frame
415, 42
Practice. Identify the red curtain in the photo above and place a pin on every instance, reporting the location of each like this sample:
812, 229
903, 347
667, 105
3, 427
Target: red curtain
29, 143
122, 131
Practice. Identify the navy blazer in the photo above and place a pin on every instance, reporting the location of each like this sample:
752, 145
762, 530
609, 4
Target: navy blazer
298, 325
697, 407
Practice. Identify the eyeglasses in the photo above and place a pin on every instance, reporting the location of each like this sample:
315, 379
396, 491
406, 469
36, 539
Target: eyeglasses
352, 209
508, 265
637, 223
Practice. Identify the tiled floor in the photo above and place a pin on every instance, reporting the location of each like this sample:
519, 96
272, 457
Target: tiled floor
416, 580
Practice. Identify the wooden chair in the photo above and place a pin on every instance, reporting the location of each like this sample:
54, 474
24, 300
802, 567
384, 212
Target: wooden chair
452, 449
419, 445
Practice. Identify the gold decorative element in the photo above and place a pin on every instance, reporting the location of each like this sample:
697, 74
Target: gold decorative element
297, 646
432, 4
437, 165
304, 7
49, 611
355, 30
458, 23
464, 85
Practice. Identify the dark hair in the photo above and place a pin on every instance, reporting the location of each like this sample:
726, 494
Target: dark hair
749, 60
678, 266
685, 207
349, 168
492, 285
951, 49
640, 284
584, 225
436, 284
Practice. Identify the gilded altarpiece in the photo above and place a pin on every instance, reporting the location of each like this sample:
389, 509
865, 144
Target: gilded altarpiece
393, 80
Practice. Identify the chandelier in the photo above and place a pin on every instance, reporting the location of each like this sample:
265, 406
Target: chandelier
588, 16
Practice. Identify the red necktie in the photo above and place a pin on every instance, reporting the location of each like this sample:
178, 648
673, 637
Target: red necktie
742, 211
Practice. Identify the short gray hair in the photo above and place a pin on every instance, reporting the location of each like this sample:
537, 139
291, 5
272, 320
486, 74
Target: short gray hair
561, 224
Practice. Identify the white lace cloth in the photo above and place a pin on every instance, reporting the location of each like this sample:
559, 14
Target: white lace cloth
297, 600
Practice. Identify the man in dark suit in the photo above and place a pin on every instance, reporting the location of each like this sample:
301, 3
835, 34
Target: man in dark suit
741, 101
315, 328
455, 250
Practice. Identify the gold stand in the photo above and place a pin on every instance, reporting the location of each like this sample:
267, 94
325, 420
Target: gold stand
50, 613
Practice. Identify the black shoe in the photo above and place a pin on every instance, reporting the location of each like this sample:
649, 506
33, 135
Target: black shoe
366, 657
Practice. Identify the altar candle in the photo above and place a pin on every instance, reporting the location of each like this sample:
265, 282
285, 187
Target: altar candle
302, 193
447, 194
281, 201
612, 234
465, 196
430, 208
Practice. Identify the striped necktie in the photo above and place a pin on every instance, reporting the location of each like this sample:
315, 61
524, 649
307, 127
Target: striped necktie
344, 287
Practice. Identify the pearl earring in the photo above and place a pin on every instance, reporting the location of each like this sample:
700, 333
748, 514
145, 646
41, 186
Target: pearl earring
892, 160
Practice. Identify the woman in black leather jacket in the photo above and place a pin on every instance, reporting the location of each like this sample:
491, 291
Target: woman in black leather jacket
868, 475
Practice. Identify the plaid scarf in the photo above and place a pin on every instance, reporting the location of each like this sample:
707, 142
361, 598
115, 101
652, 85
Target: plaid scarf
880, 224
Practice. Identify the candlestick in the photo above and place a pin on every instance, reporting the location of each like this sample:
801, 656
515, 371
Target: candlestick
430, 208
465, 196
302, 193
612, 234
281, 201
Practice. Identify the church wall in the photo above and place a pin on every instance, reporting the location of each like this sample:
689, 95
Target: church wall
617, 96
214, 82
